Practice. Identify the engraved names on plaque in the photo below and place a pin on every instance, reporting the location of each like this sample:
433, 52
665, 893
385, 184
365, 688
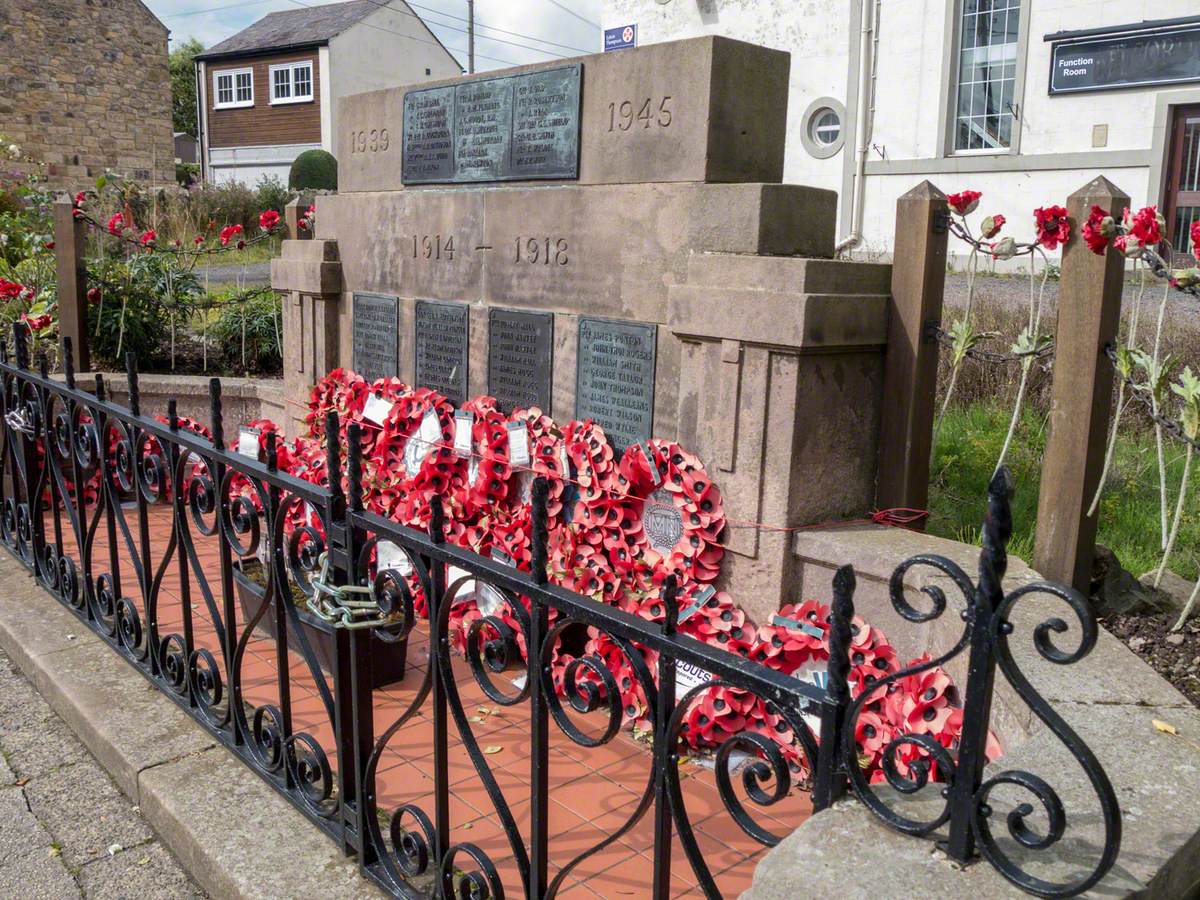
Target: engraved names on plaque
516, 127
520, 357
442, 349
375, 334
615, 378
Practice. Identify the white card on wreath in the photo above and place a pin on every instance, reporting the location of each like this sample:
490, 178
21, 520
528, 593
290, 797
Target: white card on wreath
464, 424
389, 556
430, 432
377, 409
518, 444
247, 444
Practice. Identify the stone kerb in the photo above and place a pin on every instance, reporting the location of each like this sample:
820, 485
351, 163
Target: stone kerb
707, 109
1110, 698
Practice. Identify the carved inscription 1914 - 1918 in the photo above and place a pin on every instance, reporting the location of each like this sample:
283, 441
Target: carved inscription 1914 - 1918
615, 378
517, 127
442, 349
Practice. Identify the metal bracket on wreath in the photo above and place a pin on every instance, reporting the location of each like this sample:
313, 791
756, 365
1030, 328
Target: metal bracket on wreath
332, 602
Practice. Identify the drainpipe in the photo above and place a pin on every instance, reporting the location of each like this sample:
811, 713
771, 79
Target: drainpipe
868, 42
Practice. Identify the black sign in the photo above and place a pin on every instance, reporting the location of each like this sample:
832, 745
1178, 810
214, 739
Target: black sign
614, 382
1105, 62
375, 336
520, 358
494, 129
441, 348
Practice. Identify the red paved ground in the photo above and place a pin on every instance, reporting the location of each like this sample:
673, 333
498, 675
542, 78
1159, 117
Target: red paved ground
593, 791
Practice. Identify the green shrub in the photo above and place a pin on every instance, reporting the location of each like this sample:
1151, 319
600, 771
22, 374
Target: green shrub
270, 193
187, 174
313, 170
248, 335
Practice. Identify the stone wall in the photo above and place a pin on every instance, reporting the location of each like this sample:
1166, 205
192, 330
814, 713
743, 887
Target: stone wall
84, 88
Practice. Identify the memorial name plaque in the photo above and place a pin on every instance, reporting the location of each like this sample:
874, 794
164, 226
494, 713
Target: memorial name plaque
442, 349
517, 127
376, 336
429, 135
615, 378
520, 357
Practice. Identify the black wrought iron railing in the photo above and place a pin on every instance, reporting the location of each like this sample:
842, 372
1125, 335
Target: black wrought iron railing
147, 532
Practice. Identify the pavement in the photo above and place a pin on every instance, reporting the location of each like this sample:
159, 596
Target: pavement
66, 830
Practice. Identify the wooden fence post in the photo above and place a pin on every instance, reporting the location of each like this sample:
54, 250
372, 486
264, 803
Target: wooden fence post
1089, 314
69, 242
911, 363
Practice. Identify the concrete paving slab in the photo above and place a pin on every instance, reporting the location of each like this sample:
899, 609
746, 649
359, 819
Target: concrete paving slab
28, 867
239, 838
143, 872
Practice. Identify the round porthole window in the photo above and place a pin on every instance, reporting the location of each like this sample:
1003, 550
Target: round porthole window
826, 128
823, 134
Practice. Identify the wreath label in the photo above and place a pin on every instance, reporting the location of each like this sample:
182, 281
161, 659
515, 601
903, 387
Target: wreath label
247, 444
688, 677
662, 522
377, 409
464, 422
389, 556
518, 444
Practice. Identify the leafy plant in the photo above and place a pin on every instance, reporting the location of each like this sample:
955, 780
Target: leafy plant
248, 333
313, 170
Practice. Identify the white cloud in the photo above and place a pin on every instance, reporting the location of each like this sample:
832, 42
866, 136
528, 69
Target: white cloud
212, 21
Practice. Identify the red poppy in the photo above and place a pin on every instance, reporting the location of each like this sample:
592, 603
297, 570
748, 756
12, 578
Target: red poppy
964, 202
268, 219
1145, 226
116, 224
94, 295
990, 227
10, 290
49, 245
148, 238
36, 323
1098, 230
228, 233
1195, 235
1053, 227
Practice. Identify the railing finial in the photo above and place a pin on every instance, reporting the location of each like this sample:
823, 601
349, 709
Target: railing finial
333, 458
100, 387
43, 364
437, 520
670, 605
272, 451
214, 404
68, 362
354, 464
131, 375
20, 334
173, 414
841, 634
541, 490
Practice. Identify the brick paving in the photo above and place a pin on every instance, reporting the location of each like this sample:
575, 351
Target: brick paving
593, 791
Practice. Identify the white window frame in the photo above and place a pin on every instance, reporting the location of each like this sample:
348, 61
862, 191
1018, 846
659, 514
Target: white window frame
233, 74
291, 68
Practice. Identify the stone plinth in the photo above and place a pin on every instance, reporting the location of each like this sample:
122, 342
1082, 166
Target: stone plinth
309, 275
709, 109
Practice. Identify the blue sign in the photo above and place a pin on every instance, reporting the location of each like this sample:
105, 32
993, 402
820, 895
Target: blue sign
620, 38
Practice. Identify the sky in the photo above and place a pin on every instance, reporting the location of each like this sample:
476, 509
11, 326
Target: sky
522, 31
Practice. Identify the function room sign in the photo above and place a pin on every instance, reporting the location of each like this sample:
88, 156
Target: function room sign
1124, 57
513, 128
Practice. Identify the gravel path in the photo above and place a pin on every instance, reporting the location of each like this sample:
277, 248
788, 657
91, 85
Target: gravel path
1013, 291
66, 831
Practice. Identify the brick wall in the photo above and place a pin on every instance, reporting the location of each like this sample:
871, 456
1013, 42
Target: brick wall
84, 88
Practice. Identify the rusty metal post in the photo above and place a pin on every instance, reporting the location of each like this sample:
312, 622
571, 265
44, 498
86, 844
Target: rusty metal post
1089, 313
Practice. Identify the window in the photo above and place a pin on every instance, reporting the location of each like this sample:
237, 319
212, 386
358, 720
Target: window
987, 74
292, 83
233, 88
826, 128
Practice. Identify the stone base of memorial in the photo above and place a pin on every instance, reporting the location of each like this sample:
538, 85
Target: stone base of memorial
388, 660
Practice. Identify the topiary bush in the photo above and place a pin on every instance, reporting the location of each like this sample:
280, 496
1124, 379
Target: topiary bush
313, 170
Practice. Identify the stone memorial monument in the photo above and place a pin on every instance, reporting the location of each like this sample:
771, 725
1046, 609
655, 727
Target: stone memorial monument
608, 238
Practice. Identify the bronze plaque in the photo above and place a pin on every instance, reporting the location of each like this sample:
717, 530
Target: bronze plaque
376, 336
520, 358
615, 378
515, 127
442, 348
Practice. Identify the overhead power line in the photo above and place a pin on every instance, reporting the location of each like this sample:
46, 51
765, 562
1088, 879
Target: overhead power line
572, 12
211, 9
479, 24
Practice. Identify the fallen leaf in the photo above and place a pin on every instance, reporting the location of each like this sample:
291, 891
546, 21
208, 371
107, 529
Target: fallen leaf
114, 849
56, 851
466, 827
143, 861
1166, 727
21, 782
475, 719
492, 748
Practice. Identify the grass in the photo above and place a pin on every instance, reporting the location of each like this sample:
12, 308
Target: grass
966, 453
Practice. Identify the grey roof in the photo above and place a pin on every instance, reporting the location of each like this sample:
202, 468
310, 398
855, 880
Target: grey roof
294, 28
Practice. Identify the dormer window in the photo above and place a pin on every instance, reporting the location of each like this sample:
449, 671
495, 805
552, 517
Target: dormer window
292, 83
233, 88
